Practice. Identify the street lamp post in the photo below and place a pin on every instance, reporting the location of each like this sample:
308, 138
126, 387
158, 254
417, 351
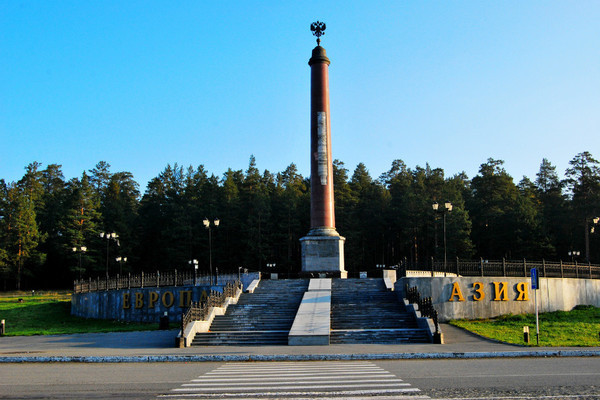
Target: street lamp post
447, 208
109, 237
194, 262
121, 260
573, 254
81, 250
269, 266
207, 225
594, 221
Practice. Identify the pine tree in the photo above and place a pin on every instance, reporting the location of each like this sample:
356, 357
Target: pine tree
23, 236
80, 227
554, 215
583, 181
54, 199
494, 198
255, 197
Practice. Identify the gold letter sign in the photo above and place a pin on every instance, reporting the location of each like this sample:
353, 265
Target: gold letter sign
522, 290
478, 288
500, 291
456, 292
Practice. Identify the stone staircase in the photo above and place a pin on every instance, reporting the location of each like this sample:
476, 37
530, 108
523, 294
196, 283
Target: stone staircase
363, 311
260, 318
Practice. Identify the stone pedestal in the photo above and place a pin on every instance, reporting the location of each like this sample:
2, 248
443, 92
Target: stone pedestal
323, 254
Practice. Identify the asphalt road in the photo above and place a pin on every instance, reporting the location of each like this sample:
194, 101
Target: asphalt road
561, 378
510, 378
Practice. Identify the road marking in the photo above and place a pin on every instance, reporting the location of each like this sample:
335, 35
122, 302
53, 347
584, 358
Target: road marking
359, 380
514, 375
194, 387
334, 367
313, 381
346, 395
561, 396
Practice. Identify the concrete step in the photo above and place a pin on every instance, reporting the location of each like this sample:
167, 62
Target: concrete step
364, 311
248, 338
247, 327
379, 336
250, 321
260, 318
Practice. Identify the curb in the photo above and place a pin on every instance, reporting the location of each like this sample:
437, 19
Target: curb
301, 357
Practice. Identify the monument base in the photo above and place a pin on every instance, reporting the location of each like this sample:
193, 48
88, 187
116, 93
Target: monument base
323, 254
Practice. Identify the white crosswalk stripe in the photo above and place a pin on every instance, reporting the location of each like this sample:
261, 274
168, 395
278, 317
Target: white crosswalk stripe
359, 380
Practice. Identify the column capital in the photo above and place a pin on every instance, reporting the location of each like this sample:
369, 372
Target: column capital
319, 56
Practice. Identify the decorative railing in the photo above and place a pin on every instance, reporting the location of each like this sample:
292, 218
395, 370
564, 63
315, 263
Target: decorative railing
521, 268
425, 305
231, 289
150, 279
198, 311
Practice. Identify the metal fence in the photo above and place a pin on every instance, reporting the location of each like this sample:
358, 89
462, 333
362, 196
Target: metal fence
150, 279
198, 311
520, 268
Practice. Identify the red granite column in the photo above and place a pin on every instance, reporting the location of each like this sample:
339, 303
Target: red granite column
321, 171
322, 248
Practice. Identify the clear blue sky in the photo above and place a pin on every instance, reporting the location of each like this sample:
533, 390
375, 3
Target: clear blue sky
141, 84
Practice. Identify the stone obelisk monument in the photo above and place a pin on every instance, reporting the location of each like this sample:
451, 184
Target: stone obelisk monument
323, 247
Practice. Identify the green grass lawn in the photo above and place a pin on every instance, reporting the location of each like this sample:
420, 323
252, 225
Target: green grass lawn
50, 314
578, 327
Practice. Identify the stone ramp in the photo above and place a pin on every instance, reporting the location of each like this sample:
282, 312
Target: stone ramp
364, 311
312, 325
264, 317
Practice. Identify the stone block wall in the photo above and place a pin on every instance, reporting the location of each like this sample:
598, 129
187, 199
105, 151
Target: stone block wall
488, 297
139, 304
144, 304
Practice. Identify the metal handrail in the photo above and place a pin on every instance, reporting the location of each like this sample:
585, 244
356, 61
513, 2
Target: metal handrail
198, 311
425, 305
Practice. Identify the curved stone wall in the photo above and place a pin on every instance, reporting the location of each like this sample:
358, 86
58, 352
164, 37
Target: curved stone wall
144, 304
139, 304
488, 297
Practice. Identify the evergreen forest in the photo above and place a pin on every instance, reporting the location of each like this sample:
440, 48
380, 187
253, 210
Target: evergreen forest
47, 221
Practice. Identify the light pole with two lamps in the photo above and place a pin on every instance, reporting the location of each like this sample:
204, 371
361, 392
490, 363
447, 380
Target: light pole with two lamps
81, 250
207, 225
594, 221
445, 210
109, 237
269, 266
194, 262
573, 254
121, 260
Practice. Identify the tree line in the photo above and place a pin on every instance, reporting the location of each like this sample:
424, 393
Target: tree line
46, 222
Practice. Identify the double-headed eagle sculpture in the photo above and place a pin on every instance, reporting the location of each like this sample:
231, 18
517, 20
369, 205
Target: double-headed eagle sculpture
318, 29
